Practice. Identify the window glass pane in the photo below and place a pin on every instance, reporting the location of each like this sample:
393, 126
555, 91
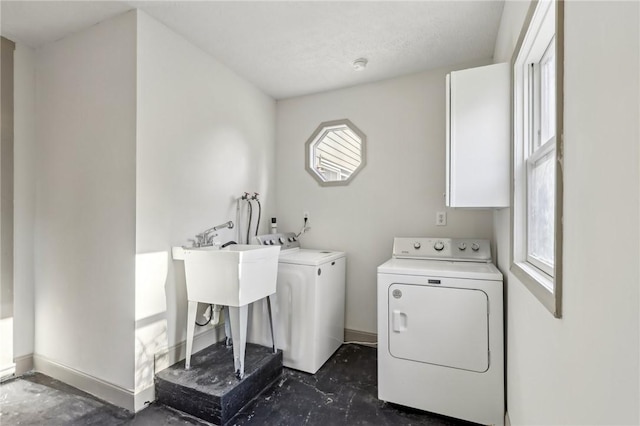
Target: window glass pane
540, 220
547, 94
533, 107
335, 152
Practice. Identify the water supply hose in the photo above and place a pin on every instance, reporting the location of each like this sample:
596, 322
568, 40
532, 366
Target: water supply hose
255, 197
210, 307
214, 315
250, 217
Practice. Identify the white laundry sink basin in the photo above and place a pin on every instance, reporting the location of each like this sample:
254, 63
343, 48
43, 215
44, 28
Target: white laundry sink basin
233, 276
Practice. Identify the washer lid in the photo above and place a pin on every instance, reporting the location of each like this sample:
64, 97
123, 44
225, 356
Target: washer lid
441, 268
309, 257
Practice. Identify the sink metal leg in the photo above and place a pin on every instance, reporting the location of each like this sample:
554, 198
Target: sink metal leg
191, 323
227, 327
238, 317
273, 335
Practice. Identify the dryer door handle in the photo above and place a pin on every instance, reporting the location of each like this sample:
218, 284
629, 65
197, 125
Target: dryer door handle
398, 321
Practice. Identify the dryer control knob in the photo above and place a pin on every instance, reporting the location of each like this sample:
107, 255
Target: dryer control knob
462, 246
417, 246
475, 246
271, 242
290, 239
438, 246
281, 239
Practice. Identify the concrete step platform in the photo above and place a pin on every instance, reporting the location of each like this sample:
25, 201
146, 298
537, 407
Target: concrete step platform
209, 389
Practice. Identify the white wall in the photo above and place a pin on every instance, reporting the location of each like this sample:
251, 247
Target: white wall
7, 366
24, 198
397, 193
142, 141
204, 137
85, 202
583, 368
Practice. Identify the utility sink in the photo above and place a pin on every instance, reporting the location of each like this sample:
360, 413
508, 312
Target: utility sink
234, 277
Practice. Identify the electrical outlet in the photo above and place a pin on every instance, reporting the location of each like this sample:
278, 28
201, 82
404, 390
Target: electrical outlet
441, 219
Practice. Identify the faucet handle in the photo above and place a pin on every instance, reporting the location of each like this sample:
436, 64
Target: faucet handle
209, 239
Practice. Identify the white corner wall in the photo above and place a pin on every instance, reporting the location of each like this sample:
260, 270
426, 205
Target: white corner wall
584, 368
205, 136
142, 140
397, 193
85, 205
24, 201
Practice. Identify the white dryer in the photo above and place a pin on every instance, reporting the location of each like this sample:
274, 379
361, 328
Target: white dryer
308, 307
440, 329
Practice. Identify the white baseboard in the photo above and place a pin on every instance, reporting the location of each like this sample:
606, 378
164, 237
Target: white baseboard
114, 394
109, 392
7, 371
23, 364
143, 398
359, 336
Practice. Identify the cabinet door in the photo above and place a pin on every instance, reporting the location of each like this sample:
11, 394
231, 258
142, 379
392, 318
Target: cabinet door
478, 126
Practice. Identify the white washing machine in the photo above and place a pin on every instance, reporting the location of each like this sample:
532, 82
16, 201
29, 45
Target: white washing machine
308, 307
440, 329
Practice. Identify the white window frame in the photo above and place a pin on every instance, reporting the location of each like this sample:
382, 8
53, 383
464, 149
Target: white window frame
543, 30
313, 163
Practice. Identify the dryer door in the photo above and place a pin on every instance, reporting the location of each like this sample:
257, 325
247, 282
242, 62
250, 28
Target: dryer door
439, 325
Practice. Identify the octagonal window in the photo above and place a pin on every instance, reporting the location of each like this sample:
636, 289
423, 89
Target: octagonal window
335, 152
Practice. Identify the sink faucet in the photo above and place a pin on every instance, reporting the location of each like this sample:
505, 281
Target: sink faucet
205, 238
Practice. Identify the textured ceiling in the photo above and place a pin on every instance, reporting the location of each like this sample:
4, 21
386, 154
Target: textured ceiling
36, 23
295, 47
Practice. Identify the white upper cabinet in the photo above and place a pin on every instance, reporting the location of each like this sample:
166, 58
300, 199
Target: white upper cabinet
477, 103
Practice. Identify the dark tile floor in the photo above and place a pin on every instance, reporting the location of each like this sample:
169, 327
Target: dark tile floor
343, 392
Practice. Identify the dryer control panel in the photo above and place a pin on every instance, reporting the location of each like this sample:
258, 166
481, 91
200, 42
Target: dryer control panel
285, 240
453, 249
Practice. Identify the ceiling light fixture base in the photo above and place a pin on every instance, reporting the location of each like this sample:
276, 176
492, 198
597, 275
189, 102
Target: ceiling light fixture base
360, 64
